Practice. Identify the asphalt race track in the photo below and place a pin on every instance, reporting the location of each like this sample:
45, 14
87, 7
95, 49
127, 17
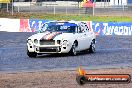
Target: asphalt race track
111, 52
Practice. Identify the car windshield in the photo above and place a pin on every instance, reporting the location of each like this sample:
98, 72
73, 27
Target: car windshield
59, 27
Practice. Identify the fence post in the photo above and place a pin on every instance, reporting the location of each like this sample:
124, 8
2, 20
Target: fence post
18, 8
30, 6
93, 9
66, 7
12, 12
7, 8
123, 9
54, 9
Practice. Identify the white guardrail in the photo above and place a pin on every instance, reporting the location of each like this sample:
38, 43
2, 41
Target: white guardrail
9, 25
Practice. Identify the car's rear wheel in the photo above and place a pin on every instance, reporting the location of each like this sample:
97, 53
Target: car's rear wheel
92, 47
73, 49
31, 54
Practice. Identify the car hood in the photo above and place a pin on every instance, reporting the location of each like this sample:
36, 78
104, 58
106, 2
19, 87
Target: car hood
38, 35
64, 36
51, 36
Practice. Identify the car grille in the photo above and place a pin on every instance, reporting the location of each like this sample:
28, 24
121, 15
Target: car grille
47, 42
53, 49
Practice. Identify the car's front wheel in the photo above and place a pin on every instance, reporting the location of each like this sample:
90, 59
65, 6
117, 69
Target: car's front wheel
31, 54
92, 47
73, 49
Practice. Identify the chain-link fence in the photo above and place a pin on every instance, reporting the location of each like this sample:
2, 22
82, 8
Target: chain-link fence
114, 10
71, 7
62, 7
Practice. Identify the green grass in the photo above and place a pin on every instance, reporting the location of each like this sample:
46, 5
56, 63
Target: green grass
67, 17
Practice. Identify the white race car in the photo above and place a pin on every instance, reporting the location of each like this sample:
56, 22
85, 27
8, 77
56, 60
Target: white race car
61, 37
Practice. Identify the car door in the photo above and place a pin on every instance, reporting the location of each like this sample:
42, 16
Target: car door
88, 38
82, 39
87, 33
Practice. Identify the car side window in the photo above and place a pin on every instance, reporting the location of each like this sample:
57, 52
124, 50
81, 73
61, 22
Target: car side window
80, 30
83, 27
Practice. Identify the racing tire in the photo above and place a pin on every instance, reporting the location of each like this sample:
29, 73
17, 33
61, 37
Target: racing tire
80, 80
92, 47
73, 51
31, 54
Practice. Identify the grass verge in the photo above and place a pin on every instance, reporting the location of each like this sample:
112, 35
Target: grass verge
66, 17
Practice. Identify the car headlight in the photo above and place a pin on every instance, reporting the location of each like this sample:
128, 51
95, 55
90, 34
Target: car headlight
35, 41
29, 41
65, 43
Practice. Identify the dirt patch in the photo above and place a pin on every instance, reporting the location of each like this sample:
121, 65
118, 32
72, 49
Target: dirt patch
57, 79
